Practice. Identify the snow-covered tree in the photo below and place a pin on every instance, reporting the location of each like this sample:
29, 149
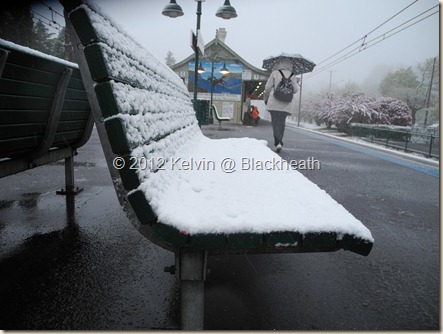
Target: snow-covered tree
350, 108
392, 111
415, 89
428, 93
170, 60
343, 109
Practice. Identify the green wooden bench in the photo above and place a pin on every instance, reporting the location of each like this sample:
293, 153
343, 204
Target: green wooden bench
145, 120
44, 111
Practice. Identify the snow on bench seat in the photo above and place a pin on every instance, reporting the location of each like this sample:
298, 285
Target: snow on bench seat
201, 198
176, 184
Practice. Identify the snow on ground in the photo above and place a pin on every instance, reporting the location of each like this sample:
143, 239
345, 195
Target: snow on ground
355, 140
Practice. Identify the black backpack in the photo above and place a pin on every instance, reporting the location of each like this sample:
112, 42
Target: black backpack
284, 90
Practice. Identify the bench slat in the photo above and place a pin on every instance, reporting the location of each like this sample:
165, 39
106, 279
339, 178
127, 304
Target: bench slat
16, 137
30, 61
283, 239
65, 138
10, 117
16, 88
111, 58
11, 131
77, 126
245, 241
19, 145
31, 103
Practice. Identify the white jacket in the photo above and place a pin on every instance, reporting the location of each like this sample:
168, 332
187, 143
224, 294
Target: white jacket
272, 104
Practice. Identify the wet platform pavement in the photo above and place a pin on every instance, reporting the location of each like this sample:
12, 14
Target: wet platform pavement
77, 263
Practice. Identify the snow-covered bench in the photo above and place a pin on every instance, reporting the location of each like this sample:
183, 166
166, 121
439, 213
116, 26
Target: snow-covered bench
186, 192
219, 118
44, 112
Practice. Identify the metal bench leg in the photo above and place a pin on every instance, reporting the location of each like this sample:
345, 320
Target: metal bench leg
69, 178
192, 273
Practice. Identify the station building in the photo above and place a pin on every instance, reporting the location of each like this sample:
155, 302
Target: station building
231, 93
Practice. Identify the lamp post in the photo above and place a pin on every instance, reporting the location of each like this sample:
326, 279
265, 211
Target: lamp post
191, 267
299, 100
226, 11
224, 70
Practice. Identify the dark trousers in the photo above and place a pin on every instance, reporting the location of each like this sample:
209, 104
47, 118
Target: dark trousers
278, 126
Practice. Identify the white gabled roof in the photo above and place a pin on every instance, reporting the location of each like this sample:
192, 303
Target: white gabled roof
223, 45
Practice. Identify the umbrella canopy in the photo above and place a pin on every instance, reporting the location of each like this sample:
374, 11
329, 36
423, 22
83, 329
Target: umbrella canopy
299, 63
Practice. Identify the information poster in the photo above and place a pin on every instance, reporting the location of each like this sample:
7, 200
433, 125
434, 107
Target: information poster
228, 110
224, 87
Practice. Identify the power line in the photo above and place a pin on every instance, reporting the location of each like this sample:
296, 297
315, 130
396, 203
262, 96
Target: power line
364, 37
52, 10
391, 17
384, 35
46, 21
50, 22
366, 44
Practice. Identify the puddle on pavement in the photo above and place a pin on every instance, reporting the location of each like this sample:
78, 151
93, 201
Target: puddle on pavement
79, 264
33, 215
76, 163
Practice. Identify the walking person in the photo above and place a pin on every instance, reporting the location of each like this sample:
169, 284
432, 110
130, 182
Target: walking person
280, 90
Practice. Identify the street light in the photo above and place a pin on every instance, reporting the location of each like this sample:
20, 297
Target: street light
224, 70
172, 10
225, 12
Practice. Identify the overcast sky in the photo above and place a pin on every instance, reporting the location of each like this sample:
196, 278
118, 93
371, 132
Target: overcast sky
317, 29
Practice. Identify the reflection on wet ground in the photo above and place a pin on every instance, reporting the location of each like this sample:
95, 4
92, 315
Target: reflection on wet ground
63, 255
77, 263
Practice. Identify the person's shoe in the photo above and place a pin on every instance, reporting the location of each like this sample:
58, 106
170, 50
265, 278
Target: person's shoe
278, 148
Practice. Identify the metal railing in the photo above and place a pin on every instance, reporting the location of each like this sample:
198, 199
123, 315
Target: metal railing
415, 140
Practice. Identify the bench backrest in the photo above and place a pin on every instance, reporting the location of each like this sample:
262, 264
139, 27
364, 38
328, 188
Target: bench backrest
145, 107
43, 104
217, 115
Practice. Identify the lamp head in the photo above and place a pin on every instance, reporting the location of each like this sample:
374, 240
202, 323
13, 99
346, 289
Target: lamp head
201, 69
224, 70
172, 10
226, 11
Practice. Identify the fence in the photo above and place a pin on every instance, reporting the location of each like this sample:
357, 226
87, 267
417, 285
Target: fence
418, 140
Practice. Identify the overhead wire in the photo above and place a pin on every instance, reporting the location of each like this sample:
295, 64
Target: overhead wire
46, 21
366, 44
372, 42
52, 10
50, 22
363, 38
392, 17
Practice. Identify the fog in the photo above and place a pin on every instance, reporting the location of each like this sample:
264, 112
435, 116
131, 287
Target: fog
317, 29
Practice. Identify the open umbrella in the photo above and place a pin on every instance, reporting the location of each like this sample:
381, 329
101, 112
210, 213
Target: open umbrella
299, 63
